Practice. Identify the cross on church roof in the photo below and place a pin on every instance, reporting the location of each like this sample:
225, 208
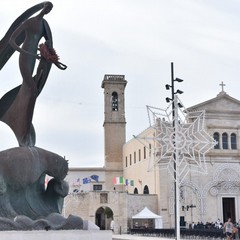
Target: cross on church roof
222, 85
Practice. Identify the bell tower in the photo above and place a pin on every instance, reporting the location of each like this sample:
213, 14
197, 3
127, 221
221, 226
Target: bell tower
114, 121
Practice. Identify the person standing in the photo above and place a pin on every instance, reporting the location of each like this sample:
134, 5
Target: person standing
228, 228
112, 225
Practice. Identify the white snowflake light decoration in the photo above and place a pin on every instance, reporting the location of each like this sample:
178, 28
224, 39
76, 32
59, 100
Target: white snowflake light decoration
181, 140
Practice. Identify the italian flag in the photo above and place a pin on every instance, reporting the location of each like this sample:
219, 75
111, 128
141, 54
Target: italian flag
119, 181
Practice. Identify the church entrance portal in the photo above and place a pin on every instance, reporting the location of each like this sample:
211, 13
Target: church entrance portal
228, 205
103, 218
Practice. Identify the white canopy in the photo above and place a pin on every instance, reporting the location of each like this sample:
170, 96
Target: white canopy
147, 214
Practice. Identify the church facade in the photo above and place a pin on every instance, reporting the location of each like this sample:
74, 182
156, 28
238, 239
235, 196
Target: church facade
131, 179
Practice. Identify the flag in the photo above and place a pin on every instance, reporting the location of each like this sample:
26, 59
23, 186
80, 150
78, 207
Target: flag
95, 177
86, 180
132, 183
77, 183
122, 180
126, 182
119, 181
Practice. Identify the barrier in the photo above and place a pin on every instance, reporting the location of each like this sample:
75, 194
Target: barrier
185, 233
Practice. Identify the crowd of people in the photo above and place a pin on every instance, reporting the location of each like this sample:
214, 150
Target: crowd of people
232, 230
208, 225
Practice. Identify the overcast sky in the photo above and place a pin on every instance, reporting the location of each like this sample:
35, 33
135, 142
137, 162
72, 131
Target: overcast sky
136, 38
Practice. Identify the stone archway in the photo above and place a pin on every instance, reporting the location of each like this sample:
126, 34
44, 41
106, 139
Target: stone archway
146, 190
135, 191
103, 217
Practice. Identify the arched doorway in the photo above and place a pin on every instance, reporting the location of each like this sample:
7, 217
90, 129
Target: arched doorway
135, 191
103, 218
145, 190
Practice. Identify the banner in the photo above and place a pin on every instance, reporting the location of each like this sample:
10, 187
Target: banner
86, 180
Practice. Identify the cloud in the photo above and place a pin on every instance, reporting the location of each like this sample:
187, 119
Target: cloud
137, 38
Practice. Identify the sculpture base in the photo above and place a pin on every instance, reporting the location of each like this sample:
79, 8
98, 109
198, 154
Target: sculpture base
60, 235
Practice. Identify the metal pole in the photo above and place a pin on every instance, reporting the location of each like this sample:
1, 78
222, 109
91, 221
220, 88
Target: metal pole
177, 170
174, 155
176, 177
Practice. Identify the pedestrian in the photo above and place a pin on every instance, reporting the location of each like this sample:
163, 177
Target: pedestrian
228, 229
112, 225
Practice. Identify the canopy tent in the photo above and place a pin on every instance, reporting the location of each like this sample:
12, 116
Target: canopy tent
147, 214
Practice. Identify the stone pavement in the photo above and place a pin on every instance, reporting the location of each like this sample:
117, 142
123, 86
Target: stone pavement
136, 237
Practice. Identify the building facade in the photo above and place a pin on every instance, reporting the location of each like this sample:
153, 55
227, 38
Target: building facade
203, 197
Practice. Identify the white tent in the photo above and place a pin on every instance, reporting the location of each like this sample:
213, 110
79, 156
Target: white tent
147, 214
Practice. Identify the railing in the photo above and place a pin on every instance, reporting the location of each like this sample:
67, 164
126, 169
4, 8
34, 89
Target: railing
185, 233
114, 77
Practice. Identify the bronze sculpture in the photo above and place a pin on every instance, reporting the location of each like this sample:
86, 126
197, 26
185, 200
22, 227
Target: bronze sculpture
23, 98
23, 169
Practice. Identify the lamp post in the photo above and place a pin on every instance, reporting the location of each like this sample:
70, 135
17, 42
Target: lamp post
175, 154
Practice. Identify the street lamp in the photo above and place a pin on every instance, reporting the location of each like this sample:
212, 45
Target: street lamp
175, 106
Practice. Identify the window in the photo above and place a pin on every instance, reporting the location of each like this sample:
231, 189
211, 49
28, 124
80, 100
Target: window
130, 159
144, 152
216, 138
114, 101
233, 141
126, 160
139, 155
150, 149
97, 187
134, 157
225, 141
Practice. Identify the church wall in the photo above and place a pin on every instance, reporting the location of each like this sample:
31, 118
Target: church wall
137, 202
77, 204
76, 176
138, 163
194, 190
207, 192
86, 205
166, 199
